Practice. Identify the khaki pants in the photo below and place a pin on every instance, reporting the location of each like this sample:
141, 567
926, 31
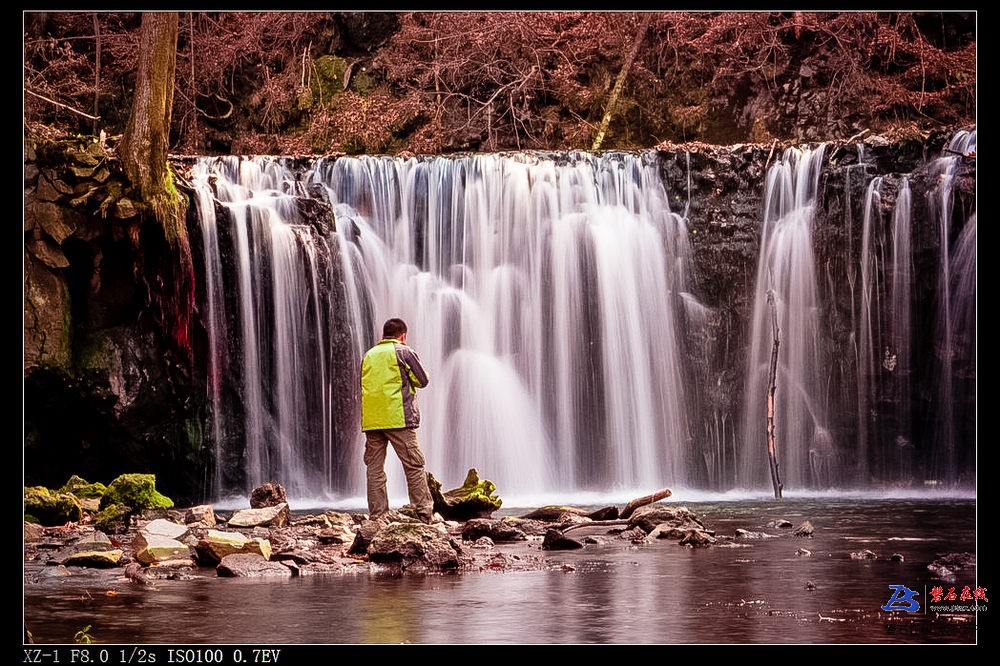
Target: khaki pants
404, 443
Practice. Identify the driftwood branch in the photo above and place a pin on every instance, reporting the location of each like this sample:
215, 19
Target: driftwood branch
625, 514
643, 501
771, 386
593, 523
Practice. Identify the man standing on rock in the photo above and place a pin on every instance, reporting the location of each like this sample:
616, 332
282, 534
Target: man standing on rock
390, 375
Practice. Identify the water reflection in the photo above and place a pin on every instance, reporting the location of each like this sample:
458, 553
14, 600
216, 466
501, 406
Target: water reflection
753, 590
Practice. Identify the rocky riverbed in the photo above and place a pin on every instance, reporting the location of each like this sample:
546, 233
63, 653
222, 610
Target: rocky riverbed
271, 541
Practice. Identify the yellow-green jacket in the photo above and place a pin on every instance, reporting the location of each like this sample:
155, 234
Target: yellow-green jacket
390, 375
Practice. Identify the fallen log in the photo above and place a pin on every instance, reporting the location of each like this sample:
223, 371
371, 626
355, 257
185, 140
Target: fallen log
625, 513
643, 501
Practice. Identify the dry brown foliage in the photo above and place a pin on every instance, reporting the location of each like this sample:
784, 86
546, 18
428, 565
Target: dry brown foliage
442, 81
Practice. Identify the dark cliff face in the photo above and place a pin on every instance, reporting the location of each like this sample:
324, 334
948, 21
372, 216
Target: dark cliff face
106, 393
105, 390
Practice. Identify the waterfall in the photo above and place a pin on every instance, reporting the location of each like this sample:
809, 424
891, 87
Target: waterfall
870, 328
954, 328
267, 327
898, 356
542, 294
786, 293
551, 299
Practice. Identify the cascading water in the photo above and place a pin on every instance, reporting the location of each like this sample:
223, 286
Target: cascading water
955, 317
885, 448
869, 338
898, 357
916, 354
548, 297
543, 297
786, 296
267, 320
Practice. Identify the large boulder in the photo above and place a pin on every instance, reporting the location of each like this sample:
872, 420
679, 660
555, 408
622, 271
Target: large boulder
137, 492
414, 546
475, 498
113, 519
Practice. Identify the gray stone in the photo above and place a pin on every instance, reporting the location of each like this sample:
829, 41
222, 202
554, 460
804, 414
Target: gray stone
200, 516
216, 545
51, 219
271, 516
166, 528
268, 494
555, 540
804, 530
649, 517
496, 530
33, 532
124, 209
101, 559
249, 565
697, 538
47, 252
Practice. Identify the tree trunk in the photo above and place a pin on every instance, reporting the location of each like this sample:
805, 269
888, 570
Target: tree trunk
620, 83
146, 140
143, 151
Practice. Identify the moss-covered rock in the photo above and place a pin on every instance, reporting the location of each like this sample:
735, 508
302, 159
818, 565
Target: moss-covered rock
113, 519
47, 508
83, 489
137, 492
473, 499
328, 79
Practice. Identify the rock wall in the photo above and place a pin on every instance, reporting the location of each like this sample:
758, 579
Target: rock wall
105, 392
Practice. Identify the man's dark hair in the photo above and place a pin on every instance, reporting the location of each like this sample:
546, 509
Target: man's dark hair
393, 328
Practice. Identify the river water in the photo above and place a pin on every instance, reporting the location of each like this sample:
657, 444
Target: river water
760, 590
